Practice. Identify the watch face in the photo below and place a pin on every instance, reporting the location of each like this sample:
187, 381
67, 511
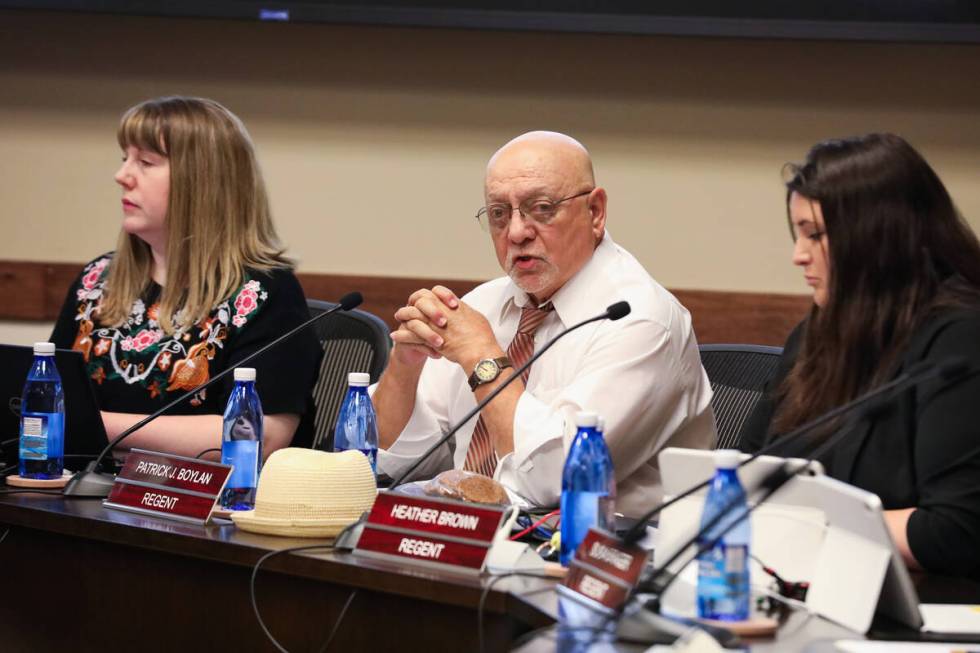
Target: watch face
486, 370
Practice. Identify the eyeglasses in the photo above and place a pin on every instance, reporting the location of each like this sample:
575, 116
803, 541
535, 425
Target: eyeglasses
539, 209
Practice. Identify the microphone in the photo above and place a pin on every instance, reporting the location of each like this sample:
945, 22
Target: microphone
871, 402
614, 312
92, 483
618, 310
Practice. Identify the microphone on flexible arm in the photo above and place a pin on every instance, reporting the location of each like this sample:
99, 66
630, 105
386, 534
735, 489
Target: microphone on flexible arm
613, 312
872, 402
92, 483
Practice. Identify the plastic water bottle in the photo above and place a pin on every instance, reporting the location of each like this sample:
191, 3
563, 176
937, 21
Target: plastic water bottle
585, 482
241, 444
603, 450
357, 425
723, 570
42, 418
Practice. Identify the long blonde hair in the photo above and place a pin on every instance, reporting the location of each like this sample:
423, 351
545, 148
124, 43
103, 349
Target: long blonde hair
218, 219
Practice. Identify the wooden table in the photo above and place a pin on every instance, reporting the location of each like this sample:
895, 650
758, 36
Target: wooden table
82, 577
77, 575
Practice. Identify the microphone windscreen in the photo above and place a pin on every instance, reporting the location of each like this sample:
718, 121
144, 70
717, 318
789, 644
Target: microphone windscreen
618, 310
351, 300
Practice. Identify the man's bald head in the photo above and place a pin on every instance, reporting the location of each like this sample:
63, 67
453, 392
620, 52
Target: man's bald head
547, 151
541, 255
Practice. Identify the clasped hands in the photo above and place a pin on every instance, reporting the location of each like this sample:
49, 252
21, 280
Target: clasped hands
436, 324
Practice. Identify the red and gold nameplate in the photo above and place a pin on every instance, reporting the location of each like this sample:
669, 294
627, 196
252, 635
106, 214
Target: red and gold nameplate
174, 472
604, 570
430, 532
169, 486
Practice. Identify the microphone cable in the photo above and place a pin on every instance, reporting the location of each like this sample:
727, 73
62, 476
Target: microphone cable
271, 554
481, 606
255, 605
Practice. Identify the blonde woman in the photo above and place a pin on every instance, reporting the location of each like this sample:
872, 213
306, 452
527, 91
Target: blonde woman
197, 282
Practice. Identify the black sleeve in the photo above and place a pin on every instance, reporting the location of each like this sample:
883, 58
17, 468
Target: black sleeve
286, 373
944, 530
756, 428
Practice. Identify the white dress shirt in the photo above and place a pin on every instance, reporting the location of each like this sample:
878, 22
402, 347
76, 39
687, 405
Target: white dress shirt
642, 373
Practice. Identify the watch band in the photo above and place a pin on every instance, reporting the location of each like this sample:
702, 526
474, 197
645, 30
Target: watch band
502, 363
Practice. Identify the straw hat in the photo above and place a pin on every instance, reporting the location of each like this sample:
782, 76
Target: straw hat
309, 493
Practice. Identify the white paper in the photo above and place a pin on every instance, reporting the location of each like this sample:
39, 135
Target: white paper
950, 618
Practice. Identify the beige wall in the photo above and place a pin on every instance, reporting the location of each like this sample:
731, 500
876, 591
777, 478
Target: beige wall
373, 140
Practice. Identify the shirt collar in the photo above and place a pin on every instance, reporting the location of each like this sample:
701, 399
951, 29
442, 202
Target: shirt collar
573, 302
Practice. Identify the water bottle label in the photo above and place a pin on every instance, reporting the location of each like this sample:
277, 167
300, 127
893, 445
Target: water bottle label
723, 582
34, 432
35, 426
244, 456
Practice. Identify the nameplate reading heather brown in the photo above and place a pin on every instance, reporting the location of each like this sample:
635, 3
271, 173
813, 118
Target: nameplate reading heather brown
175, 487
430, 532
603, 571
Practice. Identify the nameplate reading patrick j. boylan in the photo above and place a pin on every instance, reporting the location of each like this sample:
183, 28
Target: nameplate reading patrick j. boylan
430, 532
176, 487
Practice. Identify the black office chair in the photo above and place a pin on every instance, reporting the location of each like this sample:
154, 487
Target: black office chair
352, 341
738, 375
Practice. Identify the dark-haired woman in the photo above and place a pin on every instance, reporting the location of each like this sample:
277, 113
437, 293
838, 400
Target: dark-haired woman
895, 273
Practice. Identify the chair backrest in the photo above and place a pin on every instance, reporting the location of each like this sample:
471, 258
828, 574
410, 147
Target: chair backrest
738, 375
352, 341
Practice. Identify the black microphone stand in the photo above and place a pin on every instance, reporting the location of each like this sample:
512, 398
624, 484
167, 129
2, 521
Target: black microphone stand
90, 482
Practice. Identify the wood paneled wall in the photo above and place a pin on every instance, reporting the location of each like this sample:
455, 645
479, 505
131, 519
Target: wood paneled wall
33, 290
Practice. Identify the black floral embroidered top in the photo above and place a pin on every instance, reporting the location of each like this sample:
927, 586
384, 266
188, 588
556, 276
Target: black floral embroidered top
137, 368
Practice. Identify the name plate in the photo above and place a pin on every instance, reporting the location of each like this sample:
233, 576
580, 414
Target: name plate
603, 571
176, 487
430, 532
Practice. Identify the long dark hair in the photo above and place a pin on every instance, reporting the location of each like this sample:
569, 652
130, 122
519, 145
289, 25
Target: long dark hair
898, 252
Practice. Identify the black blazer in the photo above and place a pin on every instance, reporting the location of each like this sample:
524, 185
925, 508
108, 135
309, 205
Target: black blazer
925, 453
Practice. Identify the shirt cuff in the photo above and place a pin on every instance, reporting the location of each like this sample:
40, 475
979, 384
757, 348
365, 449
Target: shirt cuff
533, 470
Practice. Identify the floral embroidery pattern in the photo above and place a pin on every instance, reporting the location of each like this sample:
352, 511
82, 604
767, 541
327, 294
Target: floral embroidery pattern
92, 278
246, 302
143, 339
139, 352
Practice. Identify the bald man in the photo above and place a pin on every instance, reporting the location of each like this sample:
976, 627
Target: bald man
547, 222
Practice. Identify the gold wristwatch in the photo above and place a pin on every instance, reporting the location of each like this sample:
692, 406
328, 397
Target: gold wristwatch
487, 370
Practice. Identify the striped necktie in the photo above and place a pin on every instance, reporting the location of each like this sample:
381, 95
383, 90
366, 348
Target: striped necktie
480, 456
